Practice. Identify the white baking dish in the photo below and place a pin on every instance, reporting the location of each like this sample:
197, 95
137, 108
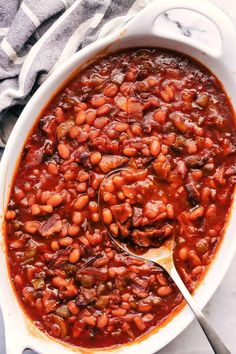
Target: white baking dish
140, 31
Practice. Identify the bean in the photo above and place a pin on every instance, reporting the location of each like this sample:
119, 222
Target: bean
17, 244
103, 110
119, 312
77, 217
161, 279
109, 198
146, 152
107, 216
90, 116
155, 147
81, 187
129, 151
183, 253
118, 181
196, 270
80, 118
55, 245
98, 101
196, 213
81, 202
121, 195
114, 229
59, 114
95, 217
52, 168
211, 211
91, 320
74, 256
136, 129
54, 200
167, 94
93, 207
10, 214
73, 308
18, 280
145, 307
101, 262
111, 90
83, 176
102, 321
80, 106
73, 230
100, 122
63, 150
160, 116
65, 241
109, 185
194, 259
95, 157
19, 195
170, 211
202, 246
121, 127
31, 226
59, 282
191, 147
205, 193
74, 132
139, 323
164, 291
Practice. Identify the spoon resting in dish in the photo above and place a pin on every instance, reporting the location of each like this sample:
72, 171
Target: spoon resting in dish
139, 219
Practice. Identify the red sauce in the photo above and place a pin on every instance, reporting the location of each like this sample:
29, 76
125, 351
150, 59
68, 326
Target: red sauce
149, 110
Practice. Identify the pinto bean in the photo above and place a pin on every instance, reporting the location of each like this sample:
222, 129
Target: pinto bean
63, 150
81, 202
121, 127
65, 241
52, 168
111, 90
119, 312
103, 110
107, 216
167, 94
129, 151
10, 214
73, 230
102, 321
73, 308
211, 211
183, 253
164, 291
54, 200
80, 117
155, 147
74, 256
160, 116
98, 101
196, 213
32, 226
95, 157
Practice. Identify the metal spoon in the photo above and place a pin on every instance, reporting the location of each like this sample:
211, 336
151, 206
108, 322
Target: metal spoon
163, 256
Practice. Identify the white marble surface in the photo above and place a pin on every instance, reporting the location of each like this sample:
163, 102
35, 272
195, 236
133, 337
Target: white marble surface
221, 310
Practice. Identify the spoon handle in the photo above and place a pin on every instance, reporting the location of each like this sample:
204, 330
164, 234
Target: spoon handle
217, 345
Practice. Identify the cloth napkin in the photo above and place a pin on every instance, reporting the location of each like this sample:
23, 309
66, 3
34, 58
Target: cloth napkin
36, 36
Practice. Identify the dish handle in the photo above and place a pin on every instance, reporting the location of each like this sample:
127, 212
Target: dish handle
144, 24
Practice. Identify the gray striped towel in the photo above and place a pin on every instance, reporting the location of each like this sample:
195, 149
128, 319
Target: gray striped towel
36, 36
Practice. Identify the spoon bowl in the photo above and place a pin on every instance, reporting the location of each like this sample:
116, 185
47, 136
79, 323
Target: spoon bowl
163, 257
